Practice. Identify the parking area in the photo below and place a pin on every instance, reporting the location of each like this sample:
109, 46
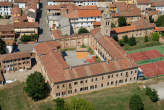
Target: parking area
160, 89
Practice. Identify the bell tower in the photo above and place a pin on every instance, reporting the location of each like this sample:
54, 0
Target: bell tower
106, 22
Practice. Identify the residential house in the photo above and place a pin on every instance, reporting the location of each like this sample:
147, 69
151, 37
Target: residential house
15, 62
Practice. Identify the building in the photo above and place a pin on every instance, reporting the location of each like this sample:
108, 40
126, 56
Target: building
8, 36
77, 16
144, 4
15, 62
115, 69
24, 3
5, 8
137, 29
26, 28
129, 11
77, 2
158, 5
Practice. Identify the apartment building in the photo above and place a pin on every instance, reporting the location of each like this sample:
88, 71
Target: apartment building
15, 62
5, 8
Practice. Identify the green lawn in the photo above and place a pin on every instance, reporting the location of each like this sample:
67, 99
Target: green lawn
13, 98
141, 44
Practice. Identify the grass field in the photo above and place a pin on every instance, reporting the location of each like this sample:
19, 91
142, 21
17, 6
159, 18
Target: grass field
13, 98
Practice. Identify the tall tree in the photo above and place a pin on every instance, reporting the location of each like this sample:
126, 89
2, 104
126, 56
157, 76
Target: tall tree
132, 41
36, 86
2, 46
122, 21
136, 103
155, 36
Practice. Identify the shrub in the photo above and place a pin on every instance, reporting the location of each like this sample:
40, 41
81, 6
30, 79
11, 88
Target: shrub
146, 39
132, 41
121, 42
154, 96
36, 87
112, 25
125, 39
2, 46
60, 104
136, 103
155, 36
160, 21
82, 30
115, 37
27, 38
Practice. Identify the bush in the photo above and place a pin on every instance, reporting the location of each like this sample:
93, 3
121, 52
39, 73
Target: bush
27, 38
60, 104
132, 41
136, 103
125, 39
146, 39
152, 93
155, 36
112, 25
36, 87
121, 42
82, 30
122, 21
115, 37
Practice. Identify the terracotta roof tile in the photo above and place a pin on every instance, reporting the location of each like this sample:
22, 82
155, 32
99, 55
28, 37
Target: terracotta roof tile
26, 25
6, 4
157, 4
159, 29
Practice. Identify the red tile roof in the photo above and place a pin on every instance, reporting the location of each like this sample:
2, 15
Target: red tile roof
157, 4
13, 56
124, 29
144, 2
6, 4
56, 34
59, 71
26, 25
8, 27
97, 23
159, 29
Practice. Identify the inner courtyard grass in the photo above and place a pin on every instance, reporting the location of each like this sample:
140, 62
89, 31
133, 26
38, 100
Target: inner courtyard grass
13, 97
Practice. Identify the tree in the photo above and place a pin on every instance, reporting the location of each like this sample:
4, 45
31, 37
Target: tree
155, 36
2, 46
60, 104
115, 37
79, 104
125, 39
132, 41
112, 25
36, 86
148, 91
82, 30
136, 103
160, 21
154, 96
121, 42
146, 39
122, 21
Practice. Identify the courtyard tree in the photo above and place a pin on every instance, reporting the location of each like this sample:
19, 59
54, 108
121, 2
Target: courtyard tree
113, 25
155, 36
136, 103
160, 21
151, 19
132, 41
122, 21
82, 30
79, 104
2, 46
36, 87
154, 96
60, 104
146, 39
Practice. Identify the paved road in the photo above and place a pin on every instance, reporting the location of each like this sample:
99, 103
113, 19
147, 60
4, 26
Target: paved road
44, 30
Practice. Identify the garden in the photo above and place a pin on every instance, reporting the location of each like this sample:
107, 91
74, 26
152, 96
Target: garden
28, 38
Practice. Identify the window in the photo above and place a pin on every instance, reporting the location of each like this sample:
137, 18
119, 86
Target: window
75, 83
92, 80
63, 93
112, 83
81, 82
69, 91
134, 78
102, 77
57, 87
95, 86
116, 75
131, 72
108, 76
57, 94
75, 90
112, 75
86, 81
121, 74
125, 80
95, 79
63, 85
91, 87
120, 81
107, 83
102, 85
